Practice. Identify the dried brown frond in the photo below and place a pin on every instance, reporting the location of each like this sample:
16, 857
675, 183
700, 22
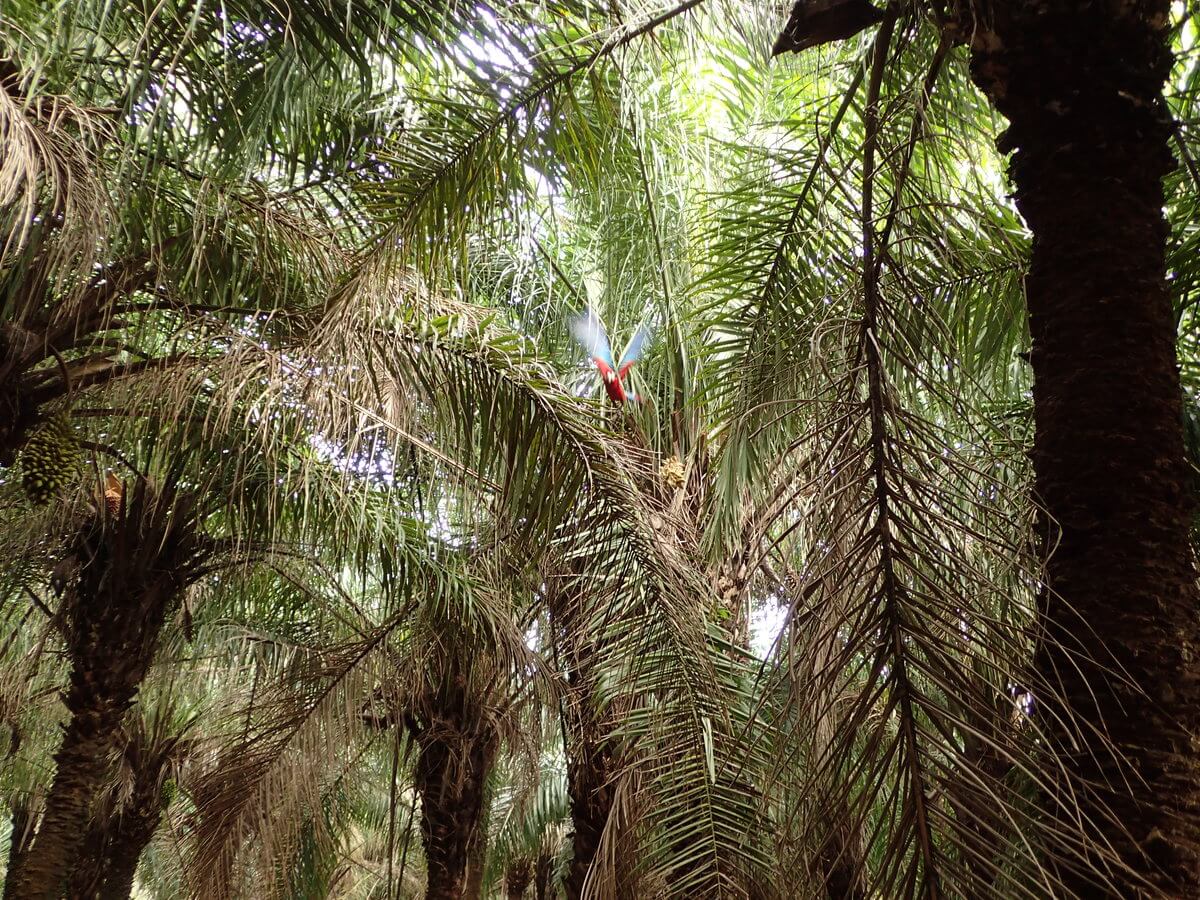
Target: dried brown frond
254, 796
50, 176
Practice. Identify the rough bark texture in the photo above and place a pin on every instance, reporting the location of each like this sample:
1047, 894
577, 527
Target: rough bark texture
89, 872
517, 879
543, 876
1081, 84
111, 851
128, 574
457, 744
120, 831
82, 762
591, 765
136, 829
97, 700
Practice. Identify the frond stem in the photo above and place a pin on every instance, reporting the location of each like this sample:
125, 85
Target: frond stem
892, 589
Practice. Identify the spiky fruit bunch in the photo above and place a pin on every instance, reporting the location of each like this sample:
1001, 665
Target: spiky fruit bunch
167, 794
114, 492
672, 473
49, 460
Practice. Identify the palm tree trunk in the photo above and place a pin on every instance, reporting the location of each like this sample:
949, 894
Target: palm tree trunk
590, 767
82, 763
1081, 84
455, 755
517, 879
446, 825
114, 845
839, 864
88, 877
129, 574
136, 830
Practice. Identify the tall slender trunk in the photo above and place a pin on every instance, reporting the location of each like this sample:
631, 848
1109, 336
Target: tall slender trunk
840, 861
455, 752
983, 825
129, 573
1081, 84
591, 765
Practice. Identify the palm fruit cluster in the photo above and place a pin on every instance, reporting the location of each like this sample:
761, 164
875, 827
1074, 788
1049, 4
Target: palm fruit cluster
114, 492
49, 460
167, 793
672, 473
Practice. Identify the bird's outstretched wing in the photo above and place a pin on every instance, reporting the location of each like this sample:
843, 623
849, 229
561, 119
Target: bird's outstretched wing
587, 328
633, 350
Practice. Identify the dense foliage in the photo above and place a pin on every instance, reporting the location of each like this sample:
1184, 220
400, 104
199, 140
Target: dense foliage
330, 571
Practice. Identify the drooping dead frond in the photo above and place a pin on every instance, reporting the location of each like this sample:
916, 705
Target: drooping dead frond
256, 796
49, 174
908, 654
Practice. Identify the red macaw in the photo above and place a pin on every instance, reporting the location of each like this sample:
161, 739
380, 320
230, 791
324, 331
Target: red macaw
589, 331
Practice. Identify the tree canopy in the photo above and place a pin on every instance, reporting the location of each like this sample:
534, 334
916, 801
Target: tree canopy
329, 567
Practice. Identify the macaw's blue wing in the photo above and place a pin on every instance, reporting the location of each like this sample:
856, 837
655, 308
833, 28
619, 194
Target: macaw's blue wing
588, 330
633, 350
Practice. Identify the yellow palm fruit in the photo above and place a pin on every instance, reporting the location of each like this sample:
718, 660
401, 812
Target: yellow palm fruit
49, 459
672, 473
114, 492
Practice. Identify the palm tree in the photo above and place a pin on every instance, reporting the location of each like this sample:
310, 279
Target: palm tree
355, 304
124, 823
84, 185
456, 715
1088, 139
126, 575
124, 564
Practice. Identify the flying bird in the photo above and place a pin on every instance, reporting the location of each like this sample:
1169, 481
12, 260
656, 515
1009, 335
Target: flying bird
589, 331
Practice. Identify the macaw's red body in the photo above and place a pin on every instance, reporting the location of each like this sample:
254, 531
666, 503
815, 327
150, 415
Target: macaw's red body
590, 333
614, 382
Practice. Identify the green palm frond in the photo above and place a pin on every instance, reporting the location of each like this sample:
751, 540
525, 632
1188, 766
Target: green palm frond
310, 265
